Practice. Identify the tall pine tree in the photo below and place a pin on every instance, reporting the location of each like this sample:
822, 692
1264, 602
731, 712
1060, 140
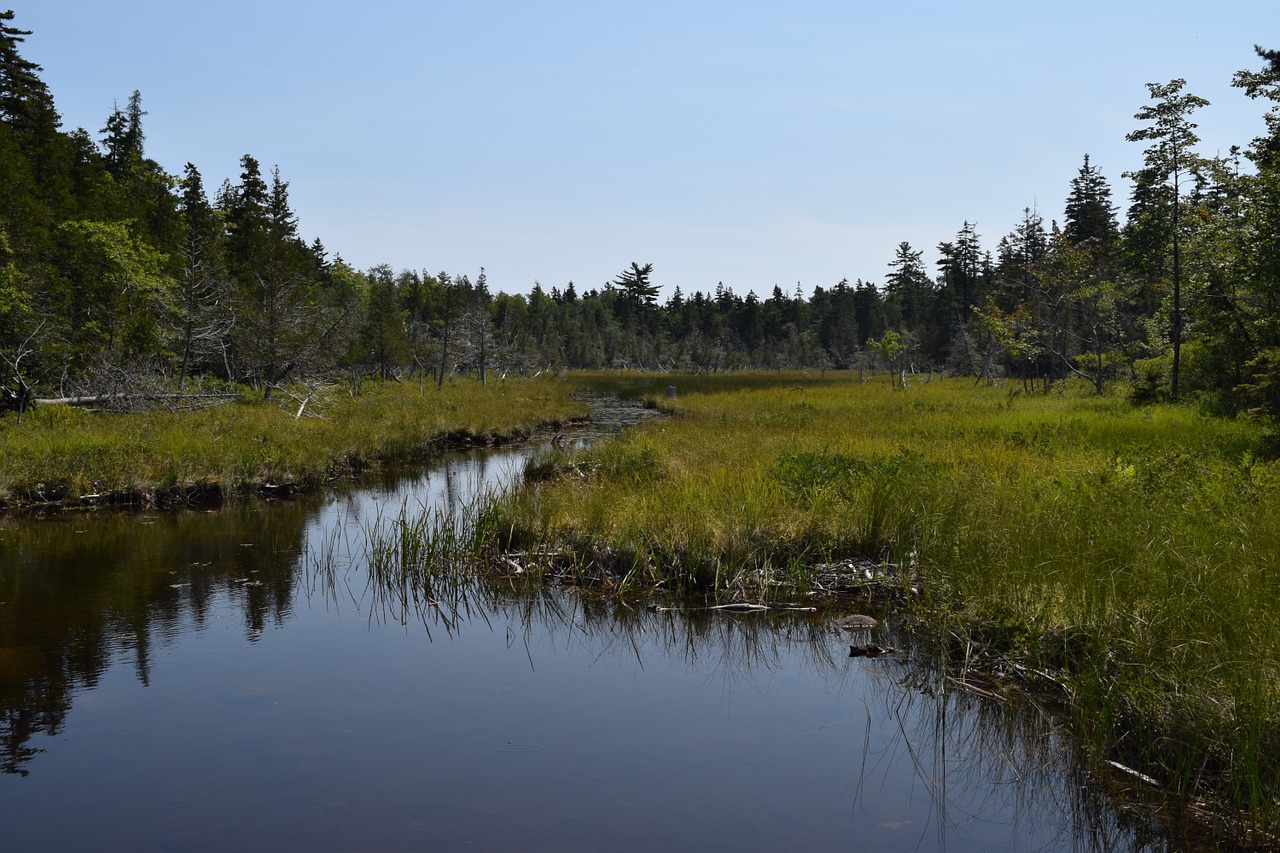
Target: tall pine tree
1169, 161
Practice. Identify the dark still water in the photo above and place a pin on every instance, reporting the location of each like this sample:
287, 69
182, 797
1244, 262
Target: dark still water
197, 681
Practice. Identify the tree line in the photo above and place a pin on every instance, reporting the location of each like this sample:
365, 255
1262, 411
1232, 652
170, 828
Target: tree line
115, 275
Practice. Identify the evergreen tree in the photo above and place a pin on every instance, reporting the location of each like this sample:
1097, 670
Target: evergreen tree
122, 137
1265, 83
1021, 254
382, 340
479, 327
960, 271
637, 288
908, 291
450, 299
869, 312
245, 208
1167, 163
203, 298
1259, 228
279, 326
1090, 216
25, 102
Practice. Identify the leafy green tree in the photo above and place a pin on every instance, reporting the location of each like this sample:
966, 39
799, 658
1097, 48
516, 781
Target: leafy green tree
15, 334
895, 349
122, 292
1168, 162
1088, 302
1014, 335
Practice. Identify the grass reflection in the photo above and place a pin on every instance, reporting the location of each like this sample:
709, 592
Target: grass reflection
970, 749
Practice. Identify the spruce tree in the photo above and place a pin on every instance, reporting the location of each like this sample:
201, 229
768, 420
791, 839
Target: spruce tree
25, 102
1168, 162
1261, 230
204, 315
277, 327
908, 291
1021, 254
960, 270
1090, 215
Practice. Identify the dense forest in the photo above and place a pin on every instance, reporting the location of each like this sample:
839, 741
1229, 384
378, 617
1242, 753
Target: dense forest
117, 277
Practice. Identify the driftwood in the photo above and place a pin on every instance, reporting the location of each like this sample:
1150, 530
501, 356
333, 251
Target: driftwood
314, 393
732, 608
124, 400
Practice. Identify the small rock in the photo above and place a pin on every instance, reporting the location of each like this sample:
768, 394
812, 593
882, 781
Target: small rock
871, 650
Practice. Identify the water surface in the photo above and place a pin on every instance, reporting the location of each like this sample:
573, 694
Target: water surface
234, 680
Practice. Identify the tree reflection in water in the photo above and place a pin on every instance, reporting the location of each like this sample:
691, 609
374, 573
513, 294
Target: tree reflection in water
79, 591
917, 762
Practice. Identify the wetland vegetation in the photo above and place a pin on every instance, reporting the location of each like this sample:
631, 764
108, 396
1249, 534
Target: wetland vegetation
1119, 559
68, 455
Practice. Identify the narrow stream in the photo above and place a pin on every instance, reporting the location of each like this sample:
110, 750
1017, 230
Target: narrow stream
205, 681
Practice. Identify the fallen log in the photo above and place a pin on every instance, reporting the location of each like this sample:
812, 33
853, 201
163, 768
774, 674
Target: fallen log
93, 400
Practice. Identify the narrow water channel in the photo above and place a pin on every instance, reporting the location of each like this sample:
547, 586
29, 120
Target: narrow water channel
234, 680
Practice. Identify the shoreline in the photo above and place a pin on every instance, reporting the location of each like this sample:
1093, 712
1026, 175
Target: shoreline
208, 492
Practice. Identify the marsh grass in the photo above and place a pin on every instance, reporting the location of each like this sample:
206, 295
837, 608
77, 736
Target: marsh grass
1126, 557
58, 452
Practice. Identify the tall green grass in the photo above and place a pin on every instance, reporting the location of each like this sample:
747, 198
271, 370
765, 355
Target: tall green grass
58, 452
1130, 556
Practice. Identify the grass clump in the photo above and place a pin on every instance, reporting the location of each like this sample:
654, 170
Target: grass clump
1128, 556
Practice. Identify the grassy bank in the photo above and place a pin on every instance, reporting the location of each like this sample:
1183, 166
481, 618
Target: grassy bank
1128, 558
63, 453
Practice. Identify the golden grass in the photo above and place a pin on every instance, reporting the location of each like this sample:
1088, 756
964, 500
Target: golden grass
61, 451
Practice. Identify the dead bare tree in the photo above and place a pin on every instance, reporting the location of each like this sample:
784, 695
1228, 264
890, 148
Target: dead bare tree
20, 396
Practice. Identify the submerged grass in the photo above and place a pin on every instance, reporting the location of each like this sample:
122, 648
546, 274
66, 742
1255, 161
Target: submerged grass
58, 452
1126, 556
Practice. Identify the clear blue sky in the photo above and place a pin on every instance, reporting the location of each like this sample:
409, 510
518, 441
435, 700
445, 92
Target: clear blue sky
744, 142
